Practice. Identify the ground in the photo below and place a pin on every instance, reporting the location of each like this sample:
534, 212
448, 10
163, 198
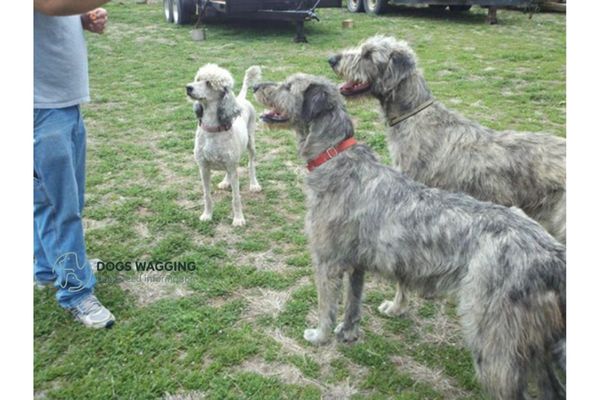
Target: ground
233, 328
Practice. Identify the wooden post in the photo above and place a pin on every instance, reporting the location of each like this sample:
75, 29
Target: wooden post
491, 17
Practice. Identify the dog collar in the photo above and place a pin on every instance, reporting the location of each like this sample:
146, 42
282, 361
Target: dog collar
396, 119
330, 153
214, 129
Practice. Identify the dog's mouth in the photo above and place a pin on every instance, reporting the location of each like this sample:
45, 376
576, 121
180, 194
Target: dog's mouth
274, 117
354, 88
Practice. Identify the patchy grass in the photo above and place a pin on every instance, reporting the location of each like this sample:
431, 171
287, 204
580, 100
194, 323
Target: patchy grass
234, 328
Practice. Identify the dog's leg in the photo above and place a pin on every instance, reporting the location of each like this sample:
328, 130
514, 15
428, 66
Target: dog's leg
502, 377
236, 201
225, 182
254, 185
348, 331
328, 290
396, 307
205, 175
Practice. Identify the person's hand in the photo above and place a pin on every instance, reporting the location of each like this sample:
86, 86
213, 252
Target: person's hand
95, 20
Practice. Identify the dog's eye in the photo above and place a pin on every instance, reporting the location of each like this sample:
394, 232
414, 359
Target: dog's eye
287, 87
208, 84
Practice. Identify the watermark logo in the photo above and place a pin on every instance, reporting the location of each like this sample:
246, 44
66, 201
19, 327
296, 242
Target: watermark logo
146, 266
67, 266
71, 272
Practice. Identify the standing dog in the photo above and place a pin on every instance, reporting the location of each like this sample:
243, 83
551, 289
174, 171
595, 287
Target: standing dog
442, 149
226, 126
507, 272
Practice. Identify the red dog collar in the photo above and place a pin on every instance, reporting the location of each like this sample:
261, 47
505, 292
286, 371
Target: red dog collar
330, 153
214, 129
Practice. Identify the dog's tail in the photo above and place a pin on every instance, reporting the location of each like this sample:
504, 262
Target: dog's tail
252, 75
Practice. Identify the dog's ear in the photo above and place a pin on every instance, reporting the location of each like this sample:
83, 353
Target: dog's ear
199, 110
400, 65
228, 108
366, 50
315, 102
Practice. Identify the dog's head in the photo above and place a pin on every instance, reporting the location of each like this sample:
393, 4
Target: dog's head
214, 84
311, 105
298, 100
376, 66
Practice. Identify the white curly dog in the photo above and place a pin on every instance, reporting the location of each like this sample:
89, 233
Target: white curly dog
226, 126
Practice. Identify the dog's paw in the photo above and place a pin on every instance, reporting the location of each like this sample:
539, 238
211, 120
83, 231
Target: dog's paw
255, 187
315, 336
224, 185
391, 309
206, 217
346, 335
238, 221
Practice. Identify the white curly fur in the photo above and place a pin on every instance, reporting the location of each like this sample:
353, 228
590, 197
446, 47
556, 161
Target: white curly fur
218, 77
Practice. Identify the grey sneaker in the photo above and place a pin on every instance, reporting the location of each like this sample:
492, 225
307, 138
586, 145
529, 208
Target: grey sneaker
41, 285
93, 314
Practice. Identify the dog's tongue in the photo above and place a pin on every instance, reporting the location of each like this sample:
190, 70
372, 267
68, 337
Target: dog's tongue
352, 86
274, 115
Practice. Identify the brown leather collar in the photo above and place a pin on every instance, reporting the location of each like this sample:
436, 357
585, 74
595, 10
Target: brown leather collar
215, 129
396, 119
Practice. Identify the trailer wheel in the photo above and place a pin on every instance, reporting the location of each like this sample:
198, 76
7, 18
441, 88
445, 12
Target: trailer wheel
460, 8
375, 6
168, 8
355, 6
183, 11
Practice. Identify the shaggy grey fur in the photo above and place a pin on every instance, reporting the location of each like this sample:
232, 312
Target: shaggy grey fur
216, 106
440, 148
507, 272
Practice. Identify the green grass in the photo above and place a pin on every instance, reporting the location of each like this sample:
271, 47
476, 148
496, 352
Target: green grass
144, 200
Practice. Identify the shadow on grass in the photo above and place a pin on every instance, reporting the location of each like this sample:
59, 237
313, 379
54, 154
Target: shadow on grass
255, 28
467, 17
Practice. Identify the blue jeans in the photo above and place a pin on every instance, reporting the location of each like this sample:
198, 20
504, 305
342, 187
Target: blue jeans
59, 185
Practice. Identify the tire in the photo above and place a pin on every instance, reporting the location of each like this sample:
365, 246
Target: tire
355, 6
183, 11
459, 8
168, 9
375, 6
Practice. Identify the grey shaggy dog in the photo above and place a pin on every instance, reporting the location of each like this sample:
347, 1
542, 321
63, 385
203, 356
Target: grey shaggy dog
440, 148
507, 272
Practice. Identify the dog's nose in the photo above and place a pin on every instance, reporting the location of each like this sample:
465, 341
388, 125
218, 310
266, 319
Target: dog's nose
256, 87
189, 89
334, 60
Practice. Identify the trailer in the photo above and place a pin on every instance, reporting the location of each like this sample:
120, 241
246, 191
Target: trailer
296, 11
455, 6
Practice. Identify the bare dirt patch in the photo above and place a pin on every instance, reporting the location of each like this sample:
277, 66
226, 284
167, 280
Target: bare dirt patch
194, 395
265, 302
436, 378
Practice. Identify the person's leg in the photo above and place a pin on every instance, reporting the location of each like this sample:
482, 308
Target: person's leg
59, 168
42, 270
79, 151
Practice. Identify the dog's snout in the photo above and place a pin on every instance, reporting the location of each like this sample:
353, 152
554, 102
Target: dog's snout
189, 89
258, 86
334, 60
